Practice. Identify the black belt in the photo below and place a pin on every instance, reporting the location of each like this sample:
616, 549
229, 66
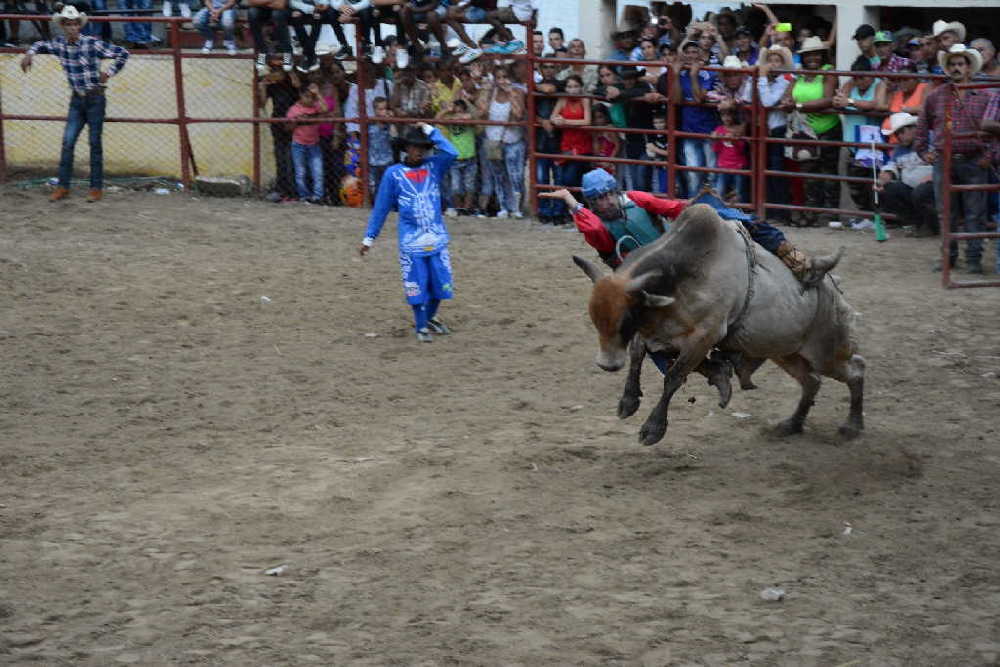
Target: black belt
90, 92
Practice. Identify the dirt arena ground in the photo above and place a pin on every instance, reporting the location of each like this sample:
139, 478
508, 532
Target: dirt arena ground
167, 437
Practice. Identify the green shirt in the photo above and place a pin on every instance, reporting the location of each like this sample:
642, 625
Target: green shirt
463, 138
809, 90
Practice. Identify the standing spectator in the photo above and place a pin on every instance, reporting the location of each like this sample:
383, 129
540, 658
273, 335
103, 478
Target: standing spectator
557, 43
577, 50
657, 148
888, 61
691, 84
504, 144
537, 43
908, 95
866, 93
970, 161
771, 88
647, 54
259, 13
375, 87
547, 140
282, 89
731, 152
411, 97
80, 57
744, 47
380, 153
733, 90
622, 43
813, 95
462, 174
569, 112
947, 34
640, 102
607, 142
306, 153
865, 37
214, 14
906, 182
338, 155
412, 188
443, 84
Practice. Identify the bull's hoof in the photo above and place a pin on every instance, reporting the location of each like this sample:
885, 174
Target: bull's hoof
850, 431
627, 406
725, 393
747, 385
787, 428
652, 433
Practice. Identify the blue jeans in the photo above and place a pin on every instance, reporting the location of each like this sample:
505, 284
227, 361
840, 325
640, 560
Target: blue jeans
968, 209
698, 153
100, 30
545, 174
84, 111
202, 21
311, 158
508, 176
726, 182
638, 176
137, 32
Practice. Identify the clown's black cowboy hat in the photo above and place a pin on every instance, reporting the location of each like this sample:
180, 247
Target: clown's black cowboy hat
413, 136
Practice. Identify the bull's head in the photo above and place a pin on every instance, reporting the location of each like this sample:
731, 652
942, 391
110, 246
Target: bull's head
618, 307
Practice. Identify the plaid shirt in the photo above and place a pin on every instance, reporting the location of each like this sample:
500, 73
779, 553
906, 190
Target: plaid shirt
82, 60
893, 63
967, 113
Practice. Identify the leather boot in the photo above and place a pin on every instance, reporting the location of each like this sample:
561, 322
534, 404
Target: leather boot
808, 270
95, 195
59, 193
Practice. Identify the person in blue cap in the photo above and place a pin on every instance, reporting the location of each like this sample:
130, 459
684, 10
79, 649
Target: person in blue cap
413, 188
614, 223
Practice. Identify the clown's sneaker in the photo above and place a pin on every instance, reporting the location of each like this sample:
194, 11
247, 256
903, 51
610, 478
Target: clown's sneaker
437, 326
424, 335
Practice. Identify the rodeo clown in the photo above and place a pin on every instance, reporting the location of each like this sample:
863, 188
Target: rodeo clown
413, 189
625, 221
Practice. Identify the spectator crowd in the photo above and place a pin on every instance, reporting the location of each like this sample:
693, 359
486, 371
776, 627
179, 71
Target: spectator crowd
477, 92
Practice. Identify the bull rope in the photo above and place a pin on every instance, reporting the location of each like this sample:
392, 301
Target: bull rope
751, 254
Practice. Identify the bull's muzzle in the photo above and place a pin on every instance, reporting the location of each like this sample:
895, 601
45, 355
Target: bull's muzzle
611, 361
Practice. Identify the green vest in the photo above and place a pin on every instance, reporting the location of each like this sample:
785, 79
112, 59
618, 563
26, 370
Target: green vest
637, 224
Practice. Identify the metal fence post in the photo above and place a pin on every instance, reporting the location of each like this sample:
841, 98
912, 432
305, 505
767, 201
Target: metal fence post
759, 193
3, 154
531, 120
361, 79
671, 134
255, 100
946, 193
175, 43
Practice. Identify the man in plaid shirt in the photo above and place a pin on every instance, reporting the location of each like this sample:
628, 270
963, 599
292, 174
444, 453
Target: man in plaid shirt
80, 56
971, 159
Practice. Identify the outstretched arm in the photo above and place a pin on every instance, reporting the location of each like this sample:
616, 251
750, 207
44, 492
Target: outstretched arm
594, 232
670, 208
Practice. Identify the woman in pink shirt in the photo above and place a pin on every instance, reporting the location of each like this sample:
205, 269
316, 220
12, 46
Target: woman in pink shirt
306, 153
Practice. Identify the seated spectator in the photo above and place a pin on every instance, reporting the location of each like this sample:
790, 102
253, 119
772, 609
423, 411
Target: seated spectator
431, 12
215, 14
731, 152
569, 112
138, 34
519, 11
380, 142
888, 60
371, 32
473, 11
411, 97
577, 50
307, 20
179, 7
260, 13
906, 182
306, 154
282, 89
462, 174
692, 84
866, 93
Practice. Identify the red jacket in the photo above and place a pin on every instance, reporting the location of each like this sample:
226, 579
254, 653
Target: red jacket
597, 235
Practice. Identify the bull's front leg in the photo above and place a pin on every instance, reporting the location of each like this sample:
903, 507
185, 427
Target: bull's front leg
693, 354
632, 393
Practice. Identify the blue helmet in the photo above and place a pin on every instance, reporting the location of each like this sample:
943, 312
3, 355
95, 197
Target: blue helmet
597, 182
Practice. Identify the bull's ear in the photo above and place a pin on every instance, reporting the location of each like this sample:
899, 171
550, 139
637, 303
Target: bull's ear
656, 300
589, 268
639, 283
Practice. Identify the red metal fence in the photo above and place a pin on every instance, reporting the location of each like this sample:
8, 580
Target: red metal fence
758, 173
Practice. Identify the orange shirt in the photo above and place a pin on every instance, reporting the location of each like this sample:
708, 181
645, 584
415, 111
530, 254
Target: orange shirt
897, 103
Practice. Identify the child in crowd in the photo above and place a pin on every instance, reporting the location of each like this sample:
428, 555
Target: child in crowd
731, 153
463, 171
380, 153
656, 149
607, 143
306, 153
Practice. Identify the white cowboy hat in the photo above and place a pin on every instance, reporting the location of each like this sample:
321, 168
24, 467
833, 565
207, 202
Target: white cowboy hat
974, 57
732, 62
69, 13
782, 51
898, 121
811, 44
954, 26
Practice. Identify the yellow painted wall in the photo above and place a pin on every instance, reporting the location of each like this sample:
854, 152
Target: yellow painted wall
214, 88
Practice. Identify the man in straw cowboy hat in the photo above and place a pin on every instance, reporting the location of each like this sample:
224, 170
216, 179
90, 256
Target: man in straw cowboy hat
80, 56
906, 182
970, 160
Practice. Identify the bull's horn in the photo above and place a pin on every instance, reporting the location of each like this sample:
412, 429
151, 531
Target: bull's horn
639, 283
589, 268
656, 300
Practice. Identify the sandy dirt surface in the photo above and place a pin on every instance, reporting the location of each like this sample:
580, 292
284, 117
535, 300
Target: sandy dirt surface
167, 437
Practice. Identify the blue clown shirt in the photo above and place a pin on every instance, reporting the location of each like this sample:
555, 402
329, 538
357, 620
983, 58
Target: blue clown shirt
415, 192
